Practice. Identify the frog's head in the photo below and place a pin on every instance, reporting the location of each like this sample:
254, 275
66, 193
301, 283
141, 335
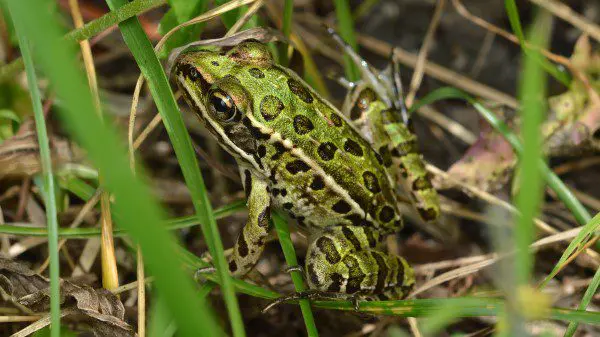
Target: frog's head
208, 81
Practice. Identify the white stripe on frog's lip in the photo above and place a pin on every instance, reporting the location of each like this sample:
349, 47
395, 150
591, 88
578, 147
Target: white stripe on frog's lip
226, 142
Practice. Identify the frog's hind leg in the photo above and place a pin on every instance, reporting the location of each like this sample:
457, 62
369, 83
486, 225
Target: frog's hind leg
348, 260
250, 242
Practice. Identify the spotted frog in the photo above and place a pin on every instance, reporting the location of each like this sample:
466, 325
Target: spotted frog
296, 152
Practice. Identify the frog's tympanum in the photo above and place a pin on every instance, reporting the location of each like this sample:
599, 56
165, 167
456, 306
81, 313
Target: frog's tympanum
296, 152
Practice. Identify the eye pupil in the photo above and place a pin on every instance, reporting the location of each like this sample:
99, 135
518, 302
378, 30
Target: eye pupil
223, 106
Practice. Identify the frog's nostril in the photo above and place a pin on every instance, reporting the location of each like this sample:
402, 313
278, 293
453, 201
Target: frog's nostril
191, 72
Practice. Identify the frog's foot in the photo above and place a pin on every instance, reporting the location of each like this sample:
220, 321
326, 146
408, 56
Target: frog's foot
312, 295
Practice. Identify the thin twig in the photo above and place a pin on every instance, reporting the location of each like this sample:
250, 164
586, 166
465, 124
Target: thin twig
566, 13
417, 77
438, 72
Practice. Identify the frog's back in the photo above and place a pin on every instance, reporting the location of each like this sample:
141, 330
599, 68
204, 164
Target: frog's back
321, 170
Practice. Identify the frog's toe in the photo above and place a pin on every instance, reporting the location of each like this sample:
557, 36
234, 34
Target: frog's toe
201, 272
302, 295
297, 268
312, 294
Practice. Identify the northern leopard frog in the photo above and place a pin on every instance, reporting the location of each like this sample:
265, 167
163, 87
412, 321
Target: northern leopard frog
296, 152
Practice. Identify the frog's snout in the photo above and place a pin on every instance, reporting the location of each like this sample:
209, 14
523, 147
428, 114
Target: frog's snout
186, 69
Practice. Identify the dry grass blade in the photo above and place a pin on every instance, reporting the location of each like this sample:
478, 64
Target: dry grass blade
476, 263
454, 128
438, 72
422, 57
245, 18
110, 275
462, 10
566, 13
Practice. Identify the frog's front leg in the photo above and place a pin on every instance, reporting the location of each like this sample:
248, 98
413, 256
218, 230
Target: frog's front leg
250, 242
347, 260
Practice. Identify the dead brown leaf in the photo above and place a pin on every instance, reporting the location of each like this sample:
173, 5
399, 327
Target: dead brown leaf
95, 310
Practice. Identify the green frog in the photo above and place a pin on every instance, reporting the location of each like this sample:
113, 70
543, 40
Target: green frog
296, 152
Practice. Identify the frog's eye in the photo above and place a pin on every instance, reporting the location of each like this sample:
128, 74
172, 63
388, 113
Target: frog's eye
222, 106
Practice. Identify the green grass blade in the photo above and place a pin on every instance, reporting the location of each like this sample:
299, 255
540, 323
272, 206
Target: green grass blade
587, 297
131, 9
142, 51
470, 307
84, 233
515, 23
346, 28
579, 241
49, 192
78, 187
286, 29
532, 94
139, 213
283, 233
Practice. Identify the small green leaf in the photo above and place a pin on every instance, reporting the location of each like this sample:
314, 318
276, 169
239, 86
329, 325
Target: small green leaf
180, 12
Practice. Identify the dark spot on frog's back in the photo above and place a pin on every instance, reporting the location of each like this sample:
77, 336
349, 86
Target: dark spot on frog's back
214, 63
302, 125
299, 90
317, 183
271, 107
358, 220
336, 120
341, 207
353, 148
297, 166
371, 182
386, 214
326, 151
279, 150
256, 73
